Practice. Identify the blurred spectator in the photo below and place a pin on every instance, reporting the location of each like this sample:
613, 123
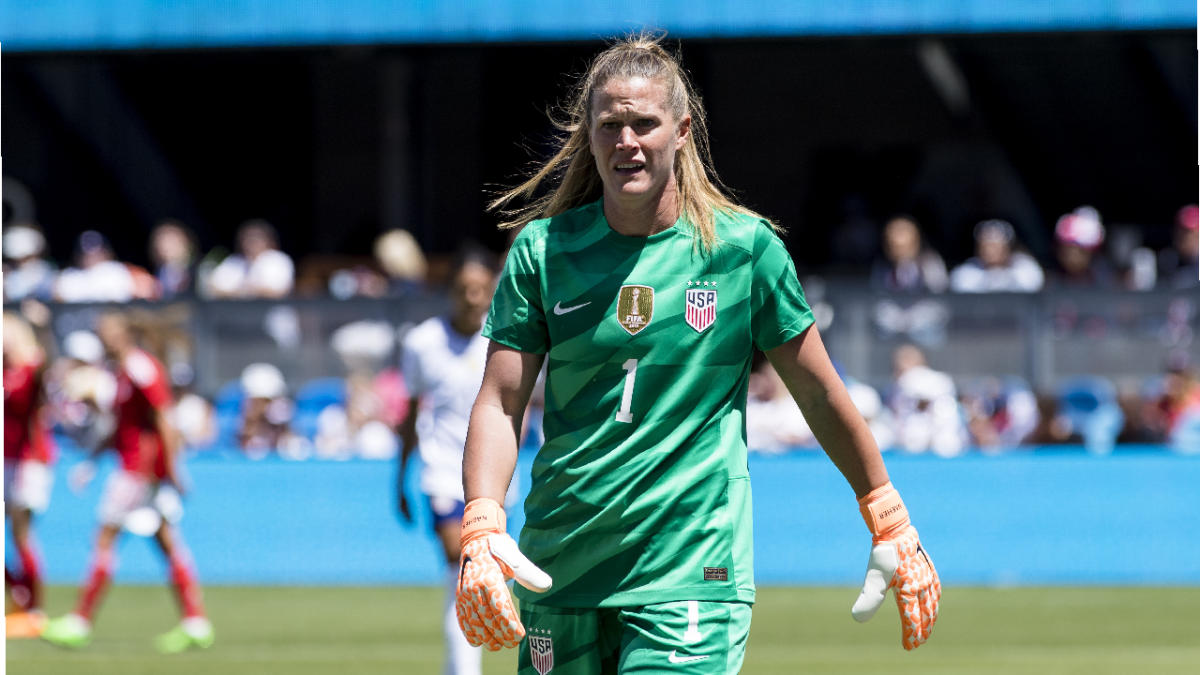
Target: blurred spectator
1138, 407
401, 258
926, 408
1052, 427
82, 391
908, 265
870, 405
357, 280
266, 411
1179, 266
997, 265
774, 422
364, 423
1089, 406
1136, 265
1175, 412
1081, 264
26, 273
366, 347
396, 267
99, 277
258, 270
393, 395
192, 415
173, 252
1001, 412
359, 427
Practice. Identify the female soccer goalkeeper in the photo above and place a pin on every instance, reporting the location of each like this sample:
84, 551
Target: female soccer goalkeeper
647, 289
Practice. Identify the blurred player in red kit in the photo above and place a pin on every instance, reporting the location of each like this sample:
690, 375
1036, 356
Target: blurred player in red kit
28, 456
146, 483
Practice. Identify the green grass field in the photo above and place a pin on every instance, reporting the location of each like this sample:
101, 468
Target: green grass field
363, 631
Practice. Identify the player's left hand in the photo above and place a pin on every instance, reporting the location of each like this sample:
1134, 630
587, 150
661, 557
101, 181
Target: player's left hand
490, 557
899, 562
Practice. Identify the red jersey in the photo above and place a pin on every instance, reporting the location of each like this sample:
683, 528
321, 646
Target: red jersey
22, 399
141, 390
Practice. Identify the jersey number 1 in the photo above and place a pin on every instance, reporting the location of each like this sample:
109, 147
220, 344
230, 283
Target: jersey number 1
625, 414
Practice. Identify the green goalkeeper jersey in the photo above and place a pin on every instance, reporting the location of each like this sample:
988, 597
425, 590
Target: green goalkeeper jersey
640, 493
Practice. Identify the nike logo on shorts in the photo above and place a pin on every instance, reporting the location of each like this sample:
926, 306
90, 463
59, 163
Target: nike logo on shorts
674, 658
559, 310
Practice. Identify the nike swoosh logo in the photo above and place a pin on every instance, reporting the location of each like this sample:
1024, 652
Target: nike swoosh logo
559, 310
673, 658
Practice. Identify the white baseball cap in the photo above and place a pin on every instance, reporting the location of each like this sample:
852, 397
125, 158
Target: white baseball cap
22, 241
263, 380
83, 345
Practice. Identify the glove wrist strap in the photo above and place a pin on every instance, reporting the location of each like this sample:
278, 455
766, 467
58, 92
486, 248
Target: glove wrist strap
883, 511
481, 516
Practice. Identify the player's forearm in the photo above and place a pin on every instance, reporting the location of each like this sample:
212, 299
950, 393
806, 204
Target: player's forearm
408, 434
495, 428
170, 443
490, 455
847, 439
804, 366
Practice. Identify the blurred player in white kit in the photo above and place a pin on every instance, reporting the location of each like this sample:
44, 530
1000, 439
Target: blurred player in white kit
442, 363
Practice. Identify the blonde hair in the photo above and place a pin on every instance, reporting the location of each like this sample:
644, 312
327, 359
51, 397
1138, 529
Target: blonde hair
20, 342
572, 169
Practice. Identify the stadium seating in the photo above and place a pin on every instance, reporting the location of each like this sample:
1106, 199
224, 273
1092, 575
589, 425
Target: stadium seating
314, 396
1089, 404
228, 406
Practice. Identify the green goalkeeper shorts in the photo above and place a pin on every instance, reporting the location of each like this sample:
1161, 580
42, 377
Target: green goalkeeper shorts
672, 637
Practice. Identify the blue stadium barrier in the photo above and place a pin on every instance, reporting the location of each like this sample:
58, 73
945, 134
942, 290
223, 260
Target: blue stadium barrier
1030, 517
80, 24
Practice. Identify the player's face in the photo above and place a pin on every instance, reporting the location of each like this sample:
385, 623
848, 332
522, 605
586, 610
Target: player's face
901, 240
113, 334
472, 291
634, 137
993, 251
1187, 242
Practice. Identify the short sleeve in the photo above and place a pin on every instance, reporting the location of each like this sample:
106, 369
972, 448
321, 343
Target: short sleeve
148, 378
410, 367
273, 271
517, 318
778, 309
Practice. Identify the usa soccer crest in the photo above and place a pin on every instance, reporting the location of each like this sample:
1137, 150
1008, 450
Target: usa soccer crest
541, 652
701, 308
635, 308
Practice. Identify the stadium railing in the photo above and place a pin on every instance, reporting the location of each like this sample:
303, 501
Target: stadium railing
1044, 337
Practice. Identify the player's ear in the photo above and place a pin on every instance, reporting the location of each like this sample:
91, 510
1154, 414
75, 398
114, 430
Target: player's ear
682, 131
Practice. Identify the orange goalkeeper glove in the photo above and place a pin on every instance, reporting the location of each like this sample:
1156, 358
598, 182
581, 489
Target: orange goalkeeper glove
897, 561
489, 558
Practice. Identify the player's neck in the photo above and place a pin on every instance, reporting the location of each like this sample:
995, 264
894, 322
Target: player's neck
465, 326
642, 217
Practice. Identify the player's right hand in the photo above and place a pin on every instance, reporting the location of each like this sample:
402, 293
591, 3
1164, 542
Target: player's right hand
402, 505
490, 557
81, 475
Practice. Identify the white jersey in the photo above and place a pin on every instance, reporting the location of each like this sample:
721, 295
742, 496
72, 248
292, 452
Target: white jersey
444, 369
